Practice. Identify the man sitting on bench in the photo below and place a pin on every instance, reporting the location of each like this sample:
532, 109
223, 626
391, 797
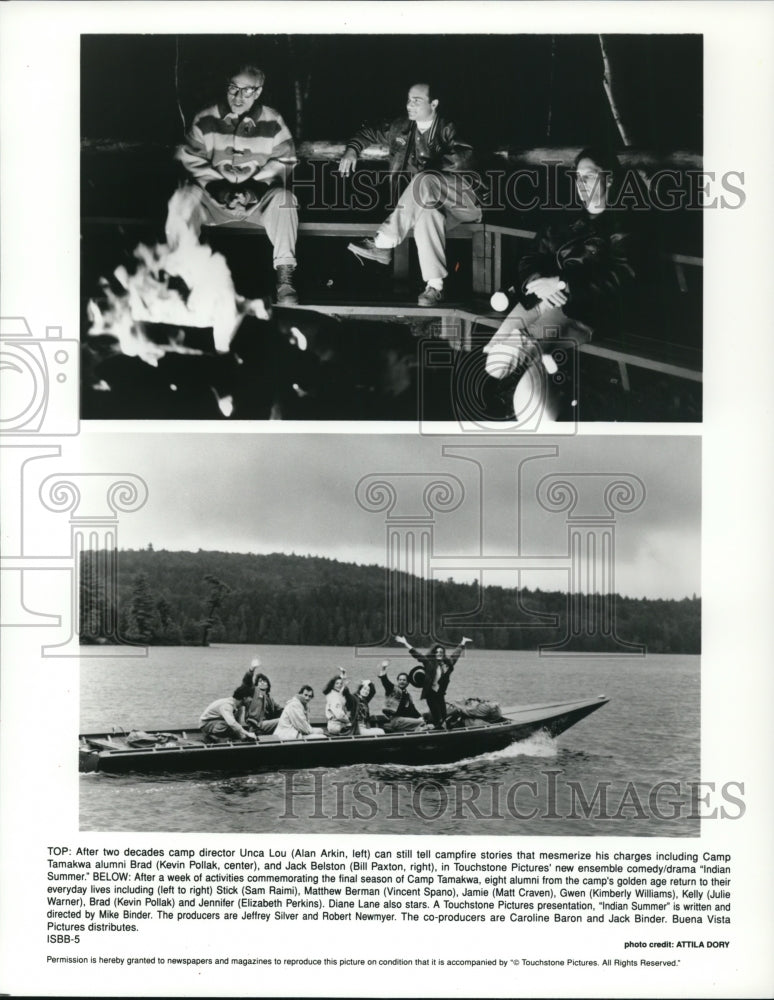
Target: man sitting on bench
425, 147
241, 154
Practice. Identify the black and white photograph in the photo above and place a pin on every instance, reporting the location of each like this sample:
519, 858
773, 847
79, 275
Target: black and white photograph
385, 498
407, 619
265, 236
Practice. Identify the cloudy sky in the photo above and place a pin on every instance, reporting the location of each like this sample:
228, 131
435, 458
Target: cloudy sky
277, 492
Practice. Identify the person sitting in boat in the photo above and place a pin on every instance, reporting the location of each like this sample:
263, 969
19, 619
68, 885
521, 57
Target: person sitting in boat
399, 708
438, 667
262, 713
252, 675
337, 701
219, 720
575, 281
364, 723
294, 721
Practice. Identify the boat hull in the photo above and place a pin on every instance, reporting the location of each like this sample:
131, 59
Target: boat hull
187, 753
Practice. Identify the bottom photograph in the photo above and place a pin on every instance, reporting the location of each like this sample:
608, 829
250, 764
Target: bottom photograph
393, 634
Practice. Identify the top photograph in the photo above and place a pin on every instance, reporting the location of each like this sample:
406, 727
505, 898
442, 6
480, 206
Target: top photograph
497, 231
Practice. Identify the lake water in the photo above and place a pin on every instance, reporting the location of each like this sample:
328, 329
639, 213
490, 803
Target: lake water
624, 771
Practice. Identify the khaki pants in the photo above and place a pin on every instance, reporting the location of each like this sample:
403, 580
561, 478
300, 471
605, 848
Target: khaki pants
264, 726
514, 342
430, 205
277, 212
219, 729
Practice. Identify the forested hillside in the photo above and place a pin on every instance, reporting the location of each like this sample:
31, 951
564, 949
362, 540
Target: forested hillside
177, 598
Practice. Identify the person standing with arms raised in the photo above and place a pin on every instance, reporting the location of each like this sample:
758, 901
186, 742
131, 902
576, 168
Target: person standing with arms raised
438, 668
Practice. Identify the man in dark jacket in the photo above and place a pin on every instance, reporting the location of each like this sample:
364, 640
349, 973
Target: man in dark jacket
574, 281
425, 147
438, 667
262, 712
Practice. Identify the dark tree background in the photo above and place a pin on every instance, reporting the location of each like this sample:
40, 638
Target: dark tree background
200, 597
515, 90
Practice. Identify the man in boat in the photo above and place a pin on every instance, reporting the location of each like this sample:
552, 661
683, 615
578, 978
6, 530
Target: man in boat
438, 667
399, 708
241, 154
262, 712
220, 719
425, 147
294, 721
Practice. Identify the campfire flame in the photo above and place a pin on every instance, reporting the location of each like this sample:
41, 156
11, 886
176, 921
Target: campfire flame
153, 293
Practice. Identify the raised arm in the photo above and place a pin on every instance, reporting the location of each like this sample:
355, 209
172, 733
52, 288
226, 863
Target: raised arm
387, 684
457, 652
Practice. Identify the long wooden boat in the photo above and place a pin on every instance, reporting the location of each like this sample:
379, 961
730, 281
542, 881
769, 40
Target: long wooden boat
178, 750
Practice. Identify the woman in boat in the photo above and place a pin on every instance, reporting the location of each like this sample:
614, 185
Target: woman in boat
252, 675
573, 282
438, 667
362, 719
337, 705
294, 722
262, 712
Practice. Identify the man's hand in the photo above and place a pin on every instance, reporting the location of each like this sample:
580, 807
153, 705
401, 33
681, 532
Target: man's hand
347, 163
220, 191
383, 668
464, 641
551, 290
402, 640
237, 174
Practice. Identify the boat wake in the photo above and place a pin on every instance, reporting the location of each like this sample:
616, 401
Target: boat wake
540, 744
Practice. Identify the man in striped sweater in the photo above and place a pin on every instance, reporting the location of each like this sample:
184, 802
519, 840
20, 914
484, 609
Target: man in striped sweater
241, 154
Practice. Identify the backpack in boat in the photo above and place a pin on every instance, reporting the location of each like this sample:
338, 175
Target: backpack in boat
142, 740
477, 708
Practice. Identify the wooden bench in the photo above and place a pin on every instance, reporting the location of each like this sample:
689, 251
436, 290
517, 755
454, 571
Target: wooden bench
477, 233
458, 320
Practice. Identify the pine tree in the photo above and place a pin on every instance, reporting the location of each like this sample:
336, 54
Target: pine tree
142, 609
218, 590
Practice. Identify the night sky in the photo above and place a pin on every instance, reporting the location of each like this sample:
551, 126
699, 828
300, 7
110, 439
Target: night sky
516, 90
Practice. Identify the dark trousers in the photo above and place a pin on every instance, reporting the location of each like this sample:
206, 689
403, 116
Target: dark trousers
436, 702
